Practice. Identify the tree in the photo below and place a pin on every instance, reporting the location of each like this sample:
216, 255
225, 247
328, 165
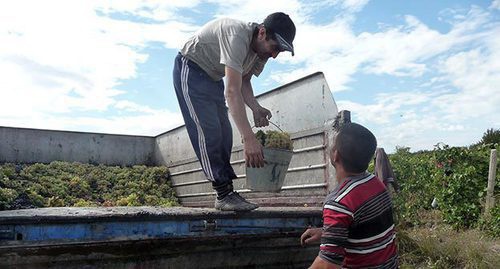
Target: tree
491, 136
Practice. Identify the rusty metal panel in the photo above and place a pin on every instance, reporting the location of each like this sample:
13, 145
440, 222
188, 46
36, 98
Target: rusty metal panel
305, 176
304, 108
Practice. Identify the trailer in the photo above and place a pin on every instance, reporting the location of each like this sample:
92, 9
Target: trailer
194, 235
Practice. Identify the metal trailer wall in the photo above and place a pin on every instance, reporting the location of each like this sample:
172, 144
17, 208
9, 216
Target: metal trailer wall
305, 108
22, 145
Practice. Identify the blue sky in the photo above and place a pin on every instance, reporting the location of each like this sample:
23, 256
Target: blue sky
415, 72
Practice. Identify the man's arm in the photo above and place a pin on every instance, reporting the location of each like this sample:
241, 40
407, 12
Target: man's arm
252, 148
261, 115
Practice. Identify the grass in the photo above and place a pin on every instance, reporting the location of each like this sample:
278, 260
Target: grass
437, 245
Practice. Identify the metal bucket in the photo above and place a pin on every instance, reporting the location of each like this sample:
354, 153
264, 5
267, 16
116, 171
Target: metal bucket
270, 177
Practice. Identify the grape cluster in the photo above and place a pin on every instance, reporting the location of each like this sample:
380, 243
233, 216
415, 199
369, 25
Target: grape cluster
275, 139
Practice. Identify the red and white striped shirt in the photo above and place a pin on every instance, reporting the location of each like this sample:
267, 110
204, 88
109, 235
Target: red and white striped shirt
358, 225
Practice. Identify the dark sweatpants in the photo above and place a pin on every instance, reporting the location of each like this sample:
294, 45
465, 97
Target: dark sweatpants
204, 109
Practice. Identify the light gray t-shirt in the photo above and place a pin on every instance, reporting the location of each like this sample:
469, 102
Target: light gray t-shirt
224, 42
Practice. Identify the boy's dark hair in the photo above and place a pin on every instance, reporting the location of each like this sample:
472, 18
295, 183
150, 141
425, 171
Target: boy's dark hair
356, 146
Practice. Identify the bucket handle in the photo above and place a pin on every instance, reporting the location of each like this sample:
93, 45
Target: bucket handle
272, 124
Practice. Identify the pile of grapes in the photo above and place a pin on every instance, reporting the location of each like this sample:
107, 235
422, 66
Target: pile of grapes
275, 139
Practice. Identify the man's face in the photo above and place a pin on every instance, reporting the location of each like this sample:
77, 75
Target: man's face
266, 48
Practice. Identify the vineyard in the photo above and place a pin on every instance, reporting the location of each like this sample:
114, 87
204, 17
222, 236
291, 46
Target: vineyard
456, 177
452, 232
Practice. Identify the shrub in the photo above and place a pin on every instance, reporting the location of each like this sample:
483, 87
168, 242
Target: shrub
455, 176
491, 224
414, 175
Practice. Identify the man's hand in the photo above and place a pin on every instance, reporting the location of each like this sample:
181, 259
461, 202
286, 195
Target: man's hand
261, 116
253, 152
311, 236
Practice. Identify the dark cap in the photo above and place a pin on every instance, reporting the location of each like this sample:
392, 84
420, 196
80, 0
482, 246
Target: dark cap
283, 28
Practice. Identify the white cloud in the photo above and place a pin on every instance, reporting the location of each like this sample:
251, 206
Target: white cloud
459, 101
455, 106
495, 4
397, 51
157, 10
355, 5
476, 75
150, 123
397, 123
318, 54
132, 107
456, 117
59, 57
62, 57
387, 107
257, 11
346, 5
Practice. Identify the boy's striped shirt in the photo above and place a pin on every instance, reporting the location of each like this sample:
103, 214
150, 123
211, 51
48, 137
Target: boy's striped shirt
358, 226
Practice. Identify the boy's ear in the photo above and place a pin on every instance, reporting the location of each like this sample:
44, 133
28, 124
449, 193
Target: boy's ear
334, 157
262, 33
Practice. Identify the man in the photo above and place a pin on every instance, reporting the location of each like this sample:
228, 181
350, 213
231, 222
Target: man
235, 50
358, 228
383, 171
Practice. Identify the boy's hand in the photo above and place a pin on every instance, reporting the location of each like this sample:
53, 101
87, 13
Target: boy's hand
311, 236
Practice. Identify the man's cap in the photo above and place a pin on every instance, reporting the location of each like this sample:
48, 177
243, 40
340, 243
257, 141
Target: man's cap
283, 28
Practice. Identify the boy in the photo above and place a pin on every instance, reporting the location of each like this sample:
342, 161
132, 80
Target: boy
358, 227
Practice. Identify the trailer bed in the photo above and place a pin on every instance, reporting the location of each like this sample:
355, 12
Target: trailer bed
155, 237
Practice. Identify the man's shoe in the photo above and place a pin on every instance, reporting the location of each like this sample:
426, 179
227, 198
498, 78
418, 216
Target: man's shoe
234, 202
244, 200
